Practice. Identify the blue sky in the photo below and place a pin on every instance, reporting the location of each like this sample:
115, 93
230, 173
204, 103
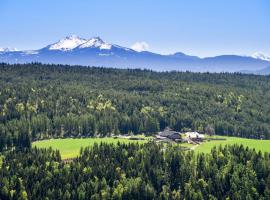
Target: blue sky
203, 28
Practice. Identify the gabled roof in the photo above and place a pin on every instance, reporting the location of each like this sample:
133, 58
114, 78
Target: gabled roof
167, 132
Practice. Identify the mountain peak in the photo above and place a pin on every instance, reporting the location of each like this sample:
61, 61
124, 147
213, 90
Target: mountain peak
95, 42
261, 56
73, 41
181, 55
67, 43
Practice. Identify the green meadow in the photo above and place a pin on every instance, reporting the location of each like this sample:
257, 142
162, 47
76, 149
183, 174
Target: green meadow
70, 147
258, 145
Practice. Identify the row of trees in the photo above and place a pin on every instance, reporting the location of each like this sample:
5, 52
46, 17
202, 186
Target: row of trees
133, 171
44, 101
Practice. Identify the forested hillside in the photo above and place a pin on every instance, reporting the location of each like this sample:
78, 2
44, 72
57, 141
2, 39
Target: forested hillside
131, 171
43, 101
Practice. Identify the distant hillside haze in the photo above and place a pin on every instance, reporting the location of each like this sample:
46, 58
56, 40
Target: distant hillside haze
265, 71
74, 50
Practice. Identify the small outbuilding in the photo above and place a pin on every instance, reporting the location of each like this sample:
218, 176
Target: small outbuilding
195, 136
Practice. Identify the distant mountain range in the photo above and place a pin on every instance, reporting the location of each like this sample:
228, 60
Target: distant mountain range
74, 50
264, 71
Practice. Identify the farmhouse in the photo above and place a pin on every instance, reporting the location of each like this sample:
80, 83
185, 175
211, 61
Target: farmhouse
169, 134
195, 136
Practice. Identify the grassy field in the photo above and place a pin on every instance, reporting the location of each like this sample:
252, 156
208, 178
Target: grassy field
70, 147
259, 145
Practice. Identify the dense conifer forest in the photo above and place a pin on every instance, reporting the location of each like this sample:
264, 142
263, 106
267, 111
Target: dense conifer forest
133, 171
50, 101
47, 101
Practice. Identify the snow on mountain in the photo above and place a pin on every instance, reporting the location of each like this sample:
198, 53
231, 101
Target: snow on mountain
73, 41
95, 42
74, 50
68, 43
261, 56
8, 49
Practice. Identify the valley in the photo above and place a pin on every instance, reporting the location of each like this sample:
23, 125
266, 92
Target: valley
73, 132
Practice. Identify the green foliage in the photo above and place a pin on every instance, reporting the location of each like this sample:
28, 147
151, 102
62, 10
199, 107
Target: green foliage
53, 101
133, 171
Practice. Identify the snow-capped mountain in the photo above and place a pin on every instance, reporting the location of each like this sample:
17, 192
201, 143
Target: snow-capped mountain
8, 49
74, 50
68, 43
261, 56
71, 42
95, 42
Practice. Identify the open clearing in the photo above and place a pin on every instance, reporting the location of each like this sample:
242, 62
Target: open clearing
259, 145
70, 147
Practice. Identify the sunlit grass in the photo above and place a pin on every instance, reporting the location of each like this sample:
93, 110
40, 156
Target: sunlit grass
258, 145
70, 147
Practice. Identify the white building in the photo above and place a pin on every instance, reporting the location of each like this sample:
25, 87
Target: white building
195, 135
